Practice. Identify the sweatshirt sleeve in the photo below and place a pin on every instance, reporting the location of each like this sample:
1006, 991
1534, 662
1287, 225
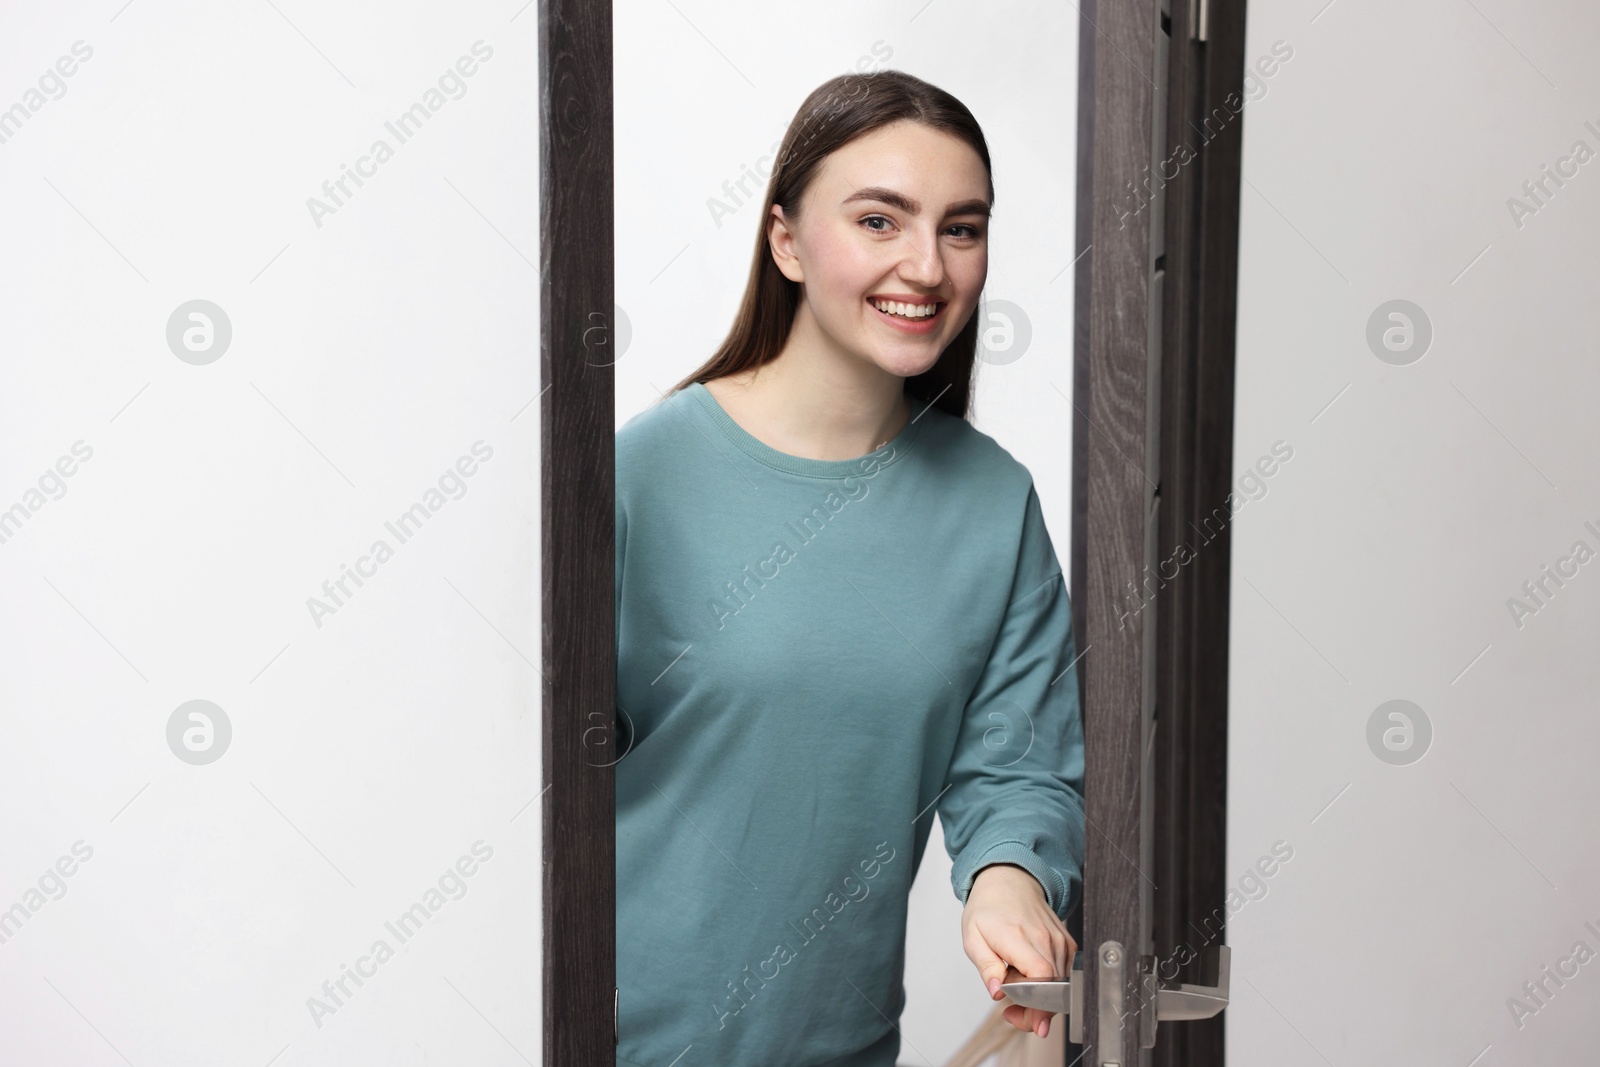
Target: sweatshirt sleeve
1015, 783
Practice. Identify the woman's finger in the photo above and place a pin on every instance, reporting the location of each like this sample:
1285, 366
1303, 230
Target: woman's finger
1021, 951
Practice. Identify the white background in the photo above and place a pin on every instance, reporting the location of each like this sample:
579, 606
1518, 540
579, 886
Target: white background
368, 353
1420, 897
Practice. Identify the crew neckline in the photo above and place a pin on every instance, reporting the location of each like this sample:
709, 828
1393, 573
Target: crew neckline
805, 466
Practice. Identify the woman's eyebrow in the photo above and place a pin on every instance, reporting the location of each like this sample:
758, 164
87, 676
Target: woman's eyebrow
913, 207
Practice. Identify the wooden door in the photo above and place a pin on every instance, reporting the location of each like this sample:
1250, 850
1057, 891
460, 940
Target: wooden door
1160, 122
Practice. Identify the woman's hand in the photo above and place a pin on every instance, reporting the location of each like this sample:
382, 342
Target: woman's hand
1010, 933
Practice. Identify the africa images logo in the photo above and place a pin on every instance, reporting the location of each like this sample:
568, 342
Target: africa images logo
814, 923
805, 529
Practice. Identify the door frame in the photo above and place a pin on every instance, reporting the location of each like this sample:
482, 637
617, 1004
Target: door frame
578, 531
1168, 669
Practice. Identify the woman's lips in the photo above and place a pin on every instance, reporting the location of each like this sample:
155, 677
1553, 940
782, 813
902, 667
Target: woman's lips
905, 325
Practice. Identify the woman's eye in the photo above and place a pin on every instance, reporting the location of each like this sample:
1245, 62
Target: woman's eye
968, 231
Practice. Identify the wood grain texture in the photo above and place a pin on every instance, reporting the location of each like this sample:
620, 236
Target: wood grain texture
1118, 496
577, 484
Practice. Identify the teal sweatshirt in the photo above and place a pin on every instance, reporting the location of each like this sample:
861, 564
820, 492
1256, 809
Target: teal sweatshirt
814, 657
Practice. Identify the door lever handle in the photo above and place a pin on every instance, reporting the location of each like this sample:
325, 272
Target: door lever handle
1185, 1001
1176, 1003
1062, 995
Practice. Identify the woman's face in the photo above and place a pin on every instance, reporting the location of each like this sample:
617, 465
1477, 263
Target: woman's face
900, 214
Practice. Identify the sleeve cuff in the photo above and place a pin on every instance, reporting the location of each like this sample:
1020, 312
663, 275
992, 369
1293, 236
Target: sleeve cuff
1056, 892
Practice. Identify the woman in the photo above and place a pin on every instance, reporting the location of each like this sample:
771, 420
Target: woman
838, 610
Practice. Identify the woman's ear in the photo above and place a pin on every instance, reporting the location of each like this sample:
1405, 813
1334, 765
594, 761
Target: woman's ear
782, 240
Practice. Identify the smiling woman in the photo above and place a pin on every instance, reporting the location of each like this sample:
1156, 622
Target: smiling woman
861, 701
915, 235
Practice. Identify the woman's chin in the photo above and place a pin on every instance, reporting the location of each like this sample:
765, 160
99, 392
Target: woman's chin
908, 364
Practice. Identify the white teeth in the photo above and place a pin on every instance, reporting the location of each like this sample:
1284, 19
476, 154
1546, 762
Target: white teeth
908, 311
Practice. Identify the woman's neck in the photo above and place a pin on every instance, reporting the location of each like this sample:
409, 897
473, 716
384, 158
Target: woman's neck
825, 412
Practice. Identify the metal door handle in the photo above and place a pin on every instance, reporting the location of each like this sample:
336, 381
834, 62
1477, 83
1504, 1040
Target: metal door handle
1185, 1001
1177, 1003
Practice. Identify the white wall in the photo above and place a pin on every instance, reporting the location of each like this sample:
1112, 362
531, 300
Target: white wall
213, 492
703, 90
1421, 495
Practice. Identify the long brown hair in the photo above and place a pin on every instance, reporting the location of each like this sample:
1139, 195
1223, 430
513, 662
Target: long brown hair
836, 113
